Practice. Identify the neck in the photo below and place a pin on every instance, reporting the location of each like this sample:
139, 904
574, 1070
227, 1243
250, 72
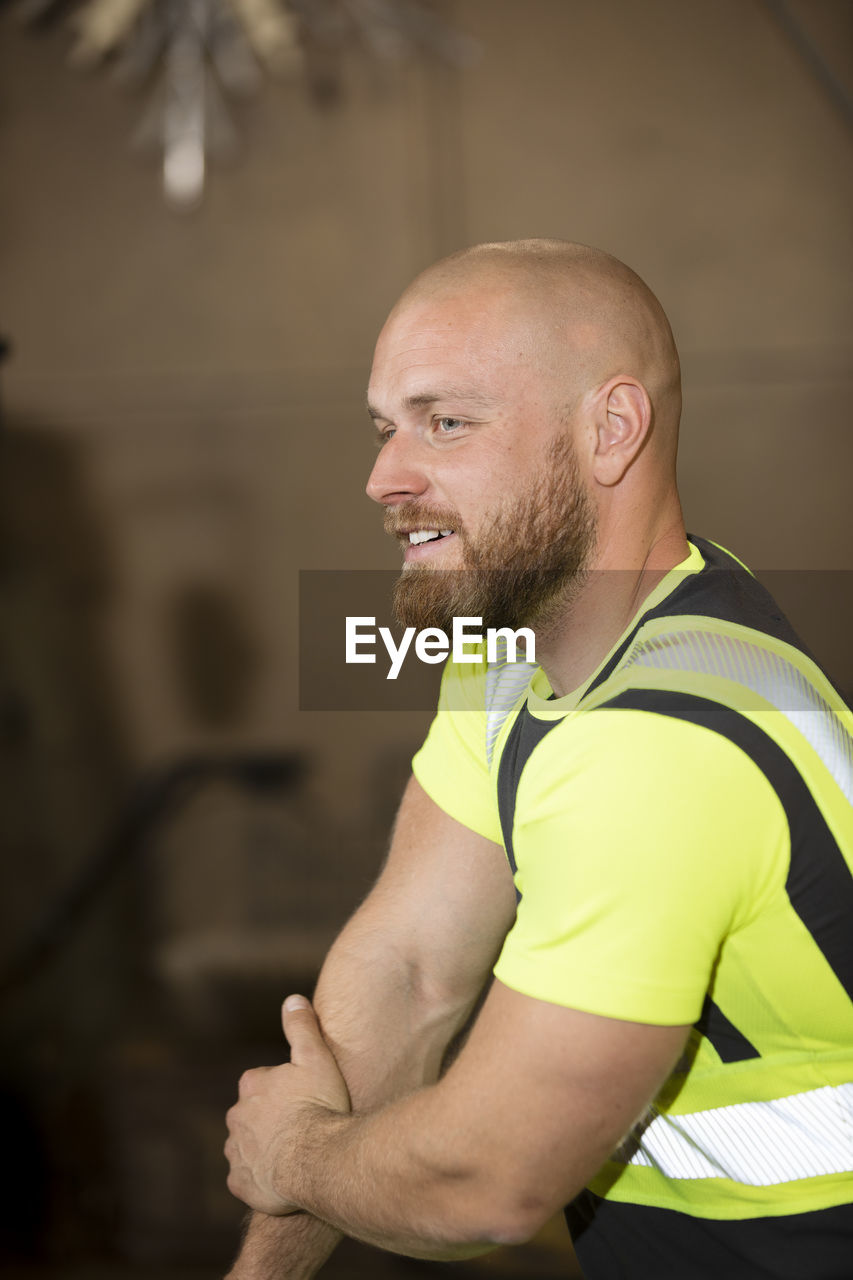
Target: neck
572, 644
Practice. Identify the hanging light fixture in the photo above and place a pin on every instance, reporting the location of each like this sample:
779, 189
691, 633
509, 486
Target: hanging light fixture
200, 51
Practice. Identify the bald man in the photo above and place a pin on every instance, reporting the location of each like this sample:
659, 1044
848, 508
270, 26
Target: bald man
645, 842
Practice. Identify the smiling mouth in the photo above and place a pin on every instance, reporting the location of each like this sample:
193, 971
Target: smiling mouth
417, 536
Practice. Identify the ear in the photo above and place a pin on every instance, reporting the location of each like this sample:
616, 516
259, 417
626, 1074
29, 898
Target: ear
623, 424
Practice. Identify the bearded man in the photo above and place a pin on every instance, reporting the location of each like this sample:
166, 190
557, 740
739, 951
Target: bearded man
647, 842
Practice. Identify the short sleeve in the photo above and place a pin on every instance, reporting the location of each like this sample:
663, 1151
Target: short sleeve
451, 766
643, 844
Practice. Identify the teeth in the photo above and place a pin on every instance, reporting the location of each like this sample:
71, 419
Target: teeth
427, 535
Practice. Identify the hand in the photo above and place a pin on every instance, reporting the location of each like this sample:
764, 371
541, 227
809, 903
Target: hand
276, 1108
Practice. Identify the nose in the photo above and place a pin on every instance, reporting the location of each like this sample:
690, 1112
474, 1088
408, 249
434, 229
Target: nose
396, 476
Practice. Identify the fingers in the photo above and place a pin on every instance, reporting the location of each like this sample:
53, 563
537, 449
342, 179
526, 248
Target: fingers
250, 1081
295, 1002
302, 1030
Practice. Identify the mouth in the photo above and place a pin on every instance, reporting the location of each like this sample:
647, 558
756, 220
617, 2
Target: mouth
421, 544
418, 536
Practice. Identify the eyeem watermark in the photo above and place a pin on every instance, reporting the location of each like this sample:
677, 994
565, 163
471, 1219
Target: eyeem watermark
342, 611
432, 645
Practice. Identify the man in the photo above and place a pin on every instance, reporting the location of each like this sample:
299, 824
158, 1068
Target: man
649, 842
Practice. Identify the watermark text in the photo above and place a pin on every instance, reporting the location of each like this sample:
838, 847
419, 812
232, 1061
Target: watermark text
433, 645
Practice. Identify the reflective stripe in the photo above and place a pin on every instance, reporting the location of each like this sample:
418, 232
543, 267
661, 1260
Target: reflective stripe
764, 673
505, 683
759, 1144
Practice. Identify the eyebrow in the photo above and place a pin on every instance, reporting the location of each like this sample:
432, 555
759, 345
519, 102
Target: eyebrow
423, 399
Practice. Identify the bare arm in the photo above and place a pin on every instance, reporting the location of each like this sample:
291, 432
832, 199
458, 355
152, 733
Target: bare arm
396, 986
538, 1098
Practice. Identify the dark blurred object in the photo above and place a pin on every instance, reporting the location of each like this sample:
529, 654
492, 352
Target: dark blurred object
787, 21
153, 800
63, 767
24, 1194
5, 349
215, 656
75, 906
61, 750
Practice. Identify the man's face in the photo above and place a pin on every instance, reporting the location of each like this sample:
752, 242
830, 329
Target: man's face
476, 471
515, 569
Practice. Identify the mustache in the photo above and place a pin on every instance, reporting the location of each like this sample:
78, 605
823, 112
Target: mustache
419, 515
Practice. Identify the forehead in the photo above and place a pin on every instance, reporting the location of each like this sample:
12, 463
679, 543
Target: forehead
473, 344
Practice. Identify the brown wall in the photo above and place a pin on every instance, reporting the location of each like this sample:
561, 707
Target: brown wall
196, 382
211, 366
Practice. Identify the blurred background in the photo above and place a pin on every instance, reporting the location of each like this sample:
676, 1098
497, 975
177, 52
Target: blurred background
208, 207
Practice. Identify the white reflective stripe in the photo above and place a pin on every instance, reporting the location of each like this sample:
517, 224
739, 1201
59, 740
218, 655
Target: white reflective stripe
760, 1144
763, 672
505, 683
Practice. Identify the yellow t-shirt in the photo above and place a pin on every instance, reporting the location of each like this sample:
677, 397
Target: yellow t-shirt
681, 835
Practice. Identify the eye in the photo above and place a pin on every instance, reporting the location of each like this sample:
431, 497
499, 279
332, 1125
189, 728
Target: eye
447, 425
382, 437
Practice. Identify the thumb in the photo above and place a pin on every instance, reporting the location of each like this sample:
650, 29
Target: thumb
300, 1026
309, 1051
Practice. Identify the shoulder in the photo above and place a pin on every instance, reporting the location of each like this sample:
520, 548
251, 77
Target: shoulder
638, 748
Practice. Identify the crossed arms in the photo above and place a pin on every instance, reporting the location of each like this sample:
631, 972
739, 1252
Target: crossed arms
435, 1167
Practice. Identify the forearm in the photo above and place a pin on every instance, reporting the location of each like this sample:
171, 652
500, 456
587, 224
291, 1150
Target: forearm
403, 977
404, 1178
291, 1248
389, 1032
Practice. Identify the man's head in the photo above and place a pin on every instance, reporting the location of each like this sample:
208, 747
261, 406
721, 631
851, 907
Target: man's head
527, 398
